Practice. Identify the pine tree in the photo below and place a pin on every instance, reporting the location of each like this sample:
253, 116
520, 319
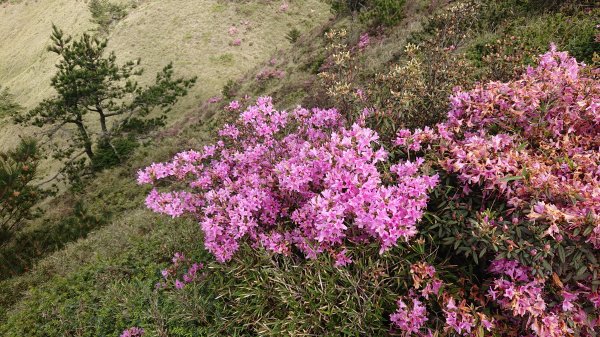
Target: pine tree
89, 81
18, 193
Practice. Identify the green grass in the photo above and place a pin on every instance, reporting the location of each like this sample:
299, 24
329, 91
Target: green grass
103, 283
196, 40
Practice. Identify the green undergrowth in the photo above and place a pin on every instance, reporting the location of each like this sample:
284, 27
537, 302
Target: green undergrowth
105, 282
100, 293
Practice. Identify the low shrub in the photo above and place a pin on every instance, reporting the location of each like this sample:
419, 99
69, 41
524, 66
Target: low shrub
8, 106
19, 193
508, 245
230, 89
519, 166
105, 13
384, 12
113, 153
293, 181
347, 6
376, 12
293, 35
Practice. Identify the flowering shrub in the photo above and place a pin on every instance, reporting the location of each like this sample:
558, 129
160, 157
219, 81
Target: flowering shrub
133, 332
517, 207
284, 7
170, 274
293, 179
269, 73
457, 317
413, 91
364, 41
525, 158
338, 75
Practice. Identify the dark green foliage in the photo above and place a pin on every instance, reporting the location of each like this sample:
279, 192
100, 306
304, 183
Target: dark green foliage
519, 41
384, 12
376, 12
8, 106
293, 35
87, 82
346, 6
113, 153
105, 14
18, 193
28, 246
314, 65
230, 89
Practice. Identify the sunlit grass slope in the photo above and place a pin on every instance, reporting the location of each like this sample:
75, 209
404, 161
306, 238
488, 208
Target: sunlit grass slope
194, 34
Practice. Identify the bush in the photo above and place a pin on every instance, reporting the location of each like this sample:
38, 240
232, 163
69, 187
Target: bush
114, 153
293, 35
509, 243
346, 6
384, 12
105, 13
230, 89
8, 106
18, 193
293, 181
376, 12
519, 164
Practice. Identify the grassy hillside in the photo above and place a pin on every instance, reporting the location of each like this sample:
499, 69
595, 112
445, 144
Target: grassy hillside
101, 278
194, 35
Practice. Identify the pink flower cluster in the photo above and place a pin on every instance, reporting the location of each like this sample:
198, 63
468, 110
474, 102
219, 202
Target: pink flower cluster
133, 332
534, 144
284, 7
170, 274
233, 30
410, 319
269, 73
364, 41
516, 291
411, 315
283, 179
534, 139
215, 99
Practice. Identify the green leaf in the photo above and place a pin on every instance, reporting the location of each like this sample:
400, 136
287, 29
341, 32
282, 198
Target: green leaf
561, 254
511, 178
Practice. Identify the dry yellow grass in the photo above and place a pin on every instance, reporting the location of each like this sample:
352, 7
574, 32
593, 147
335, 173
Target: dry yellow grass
194, 34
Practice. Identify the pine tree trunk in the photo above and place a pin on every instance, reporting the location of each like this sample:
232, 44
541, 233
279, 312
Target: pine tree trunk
87, 142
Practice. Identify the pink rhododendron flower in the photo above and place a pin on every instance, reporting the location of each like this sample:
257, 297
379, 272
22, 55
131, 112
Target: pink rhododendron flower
341, 259
409, 319
215, 99
133, 332
320, 177
364, 41
234, 106
284, 7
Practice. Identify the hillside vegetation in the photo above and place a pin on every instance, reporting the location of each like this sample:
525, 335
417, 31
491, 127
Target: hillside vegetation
443, 179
